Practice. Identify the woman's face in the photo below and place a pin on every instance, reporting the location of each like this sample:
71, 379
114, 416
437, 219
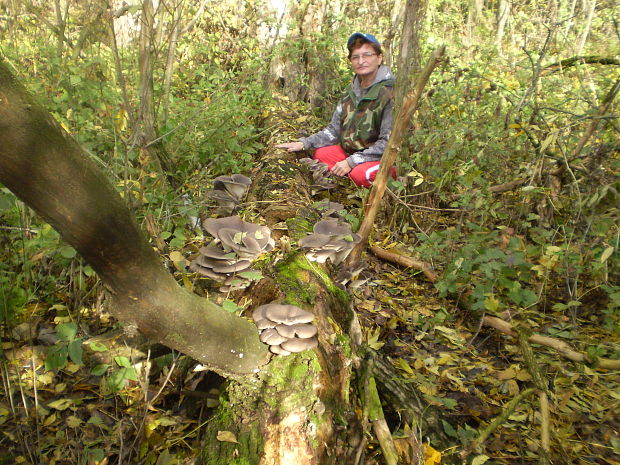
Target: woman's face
365, 61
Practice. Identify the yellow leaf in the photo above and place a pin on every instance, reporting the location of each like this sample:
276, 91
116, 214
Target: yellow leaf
120, 120
226, 436
61, 404
431, 456
177, 256
73, 421
403, 365
509, 373
606, 254
50, 420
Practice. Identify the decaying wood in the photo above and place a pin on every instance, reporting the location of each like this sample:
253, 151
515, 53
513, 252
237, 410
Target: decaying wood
408, 262
401, 124
562, 347
407, 401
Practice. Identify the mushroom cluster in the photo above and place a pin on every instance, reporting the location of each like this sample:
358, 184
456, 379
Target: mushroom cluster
228, 258
331, 239
228, 192
285, 328
320, 173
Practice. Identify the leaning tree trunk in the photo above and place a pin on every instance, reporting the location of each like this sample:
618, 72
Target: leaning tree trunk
46, 168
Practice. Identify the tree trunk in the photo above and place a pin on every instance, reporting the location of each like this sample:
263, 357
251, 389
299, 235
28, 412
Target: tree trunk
409, 60
503, 14
145, 132
44, 167
591, 7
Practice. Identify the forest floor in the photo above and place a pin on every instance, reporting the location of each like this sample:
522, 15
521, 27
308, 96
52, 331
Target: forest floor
150, 406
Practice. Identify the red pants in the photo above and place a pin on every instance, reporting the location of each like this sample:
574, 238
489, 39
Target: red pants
362, 175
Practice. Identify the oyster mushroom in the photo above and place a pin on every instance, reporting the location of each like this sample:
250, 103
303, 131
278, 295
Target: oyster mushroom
236, 244
320, 173
279, 350
299, 345
303, 330
285, 328
332, 227
271, 337
287, 314
331, 239
235, 185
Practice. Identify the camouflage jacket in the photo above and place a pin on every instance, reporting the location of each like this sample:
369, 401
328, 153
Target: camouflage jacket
362, 121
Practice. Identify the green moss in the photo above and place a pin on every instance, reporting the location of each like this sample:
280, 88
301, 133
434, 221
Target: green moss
247, 449
299, 227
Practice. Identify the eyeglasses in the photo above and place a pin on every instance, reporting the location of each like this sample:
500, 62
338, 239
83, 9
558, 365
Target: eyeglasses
363, 55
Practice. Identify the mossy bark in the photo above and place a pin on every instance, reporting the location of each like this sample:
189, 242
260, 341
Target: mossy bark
297, 406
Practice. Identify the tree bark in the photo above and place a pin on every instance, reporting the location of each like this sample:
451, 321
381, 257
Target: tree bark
44, 167
146, 127
587, 25
503, 14
409, 60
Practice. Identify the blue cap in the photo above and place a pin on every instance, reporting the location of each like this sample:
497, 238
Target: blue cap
361, 35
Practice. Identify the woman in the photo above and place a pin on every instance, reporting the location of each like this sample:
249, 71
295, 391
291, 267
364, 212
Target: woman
355, 139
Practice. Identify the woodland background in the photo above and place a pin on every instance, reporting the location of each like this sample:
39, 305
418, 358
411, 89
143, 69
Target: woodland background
509, 188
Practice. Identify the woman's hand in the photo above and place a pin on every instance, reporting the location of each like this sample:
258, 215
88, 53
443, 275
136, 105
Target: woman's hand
341, 168
291, 146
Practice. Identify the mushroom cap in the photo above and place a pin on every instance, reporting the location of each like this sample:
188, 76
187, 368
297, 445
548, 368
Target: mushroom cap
213, 225
264, 323
287, 314
271, 337
259, 312
214, 251
329, 208
279, 350
302, 330
319, 256
332, 227
206, 272
238, 235
241, 265
314, 240
235, 185
329, 205
241, 179
299, 345
221, 196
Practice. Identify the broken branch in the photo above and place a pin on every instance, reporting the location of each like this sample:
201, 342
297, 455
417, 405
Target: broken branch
408, 262
562, 347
